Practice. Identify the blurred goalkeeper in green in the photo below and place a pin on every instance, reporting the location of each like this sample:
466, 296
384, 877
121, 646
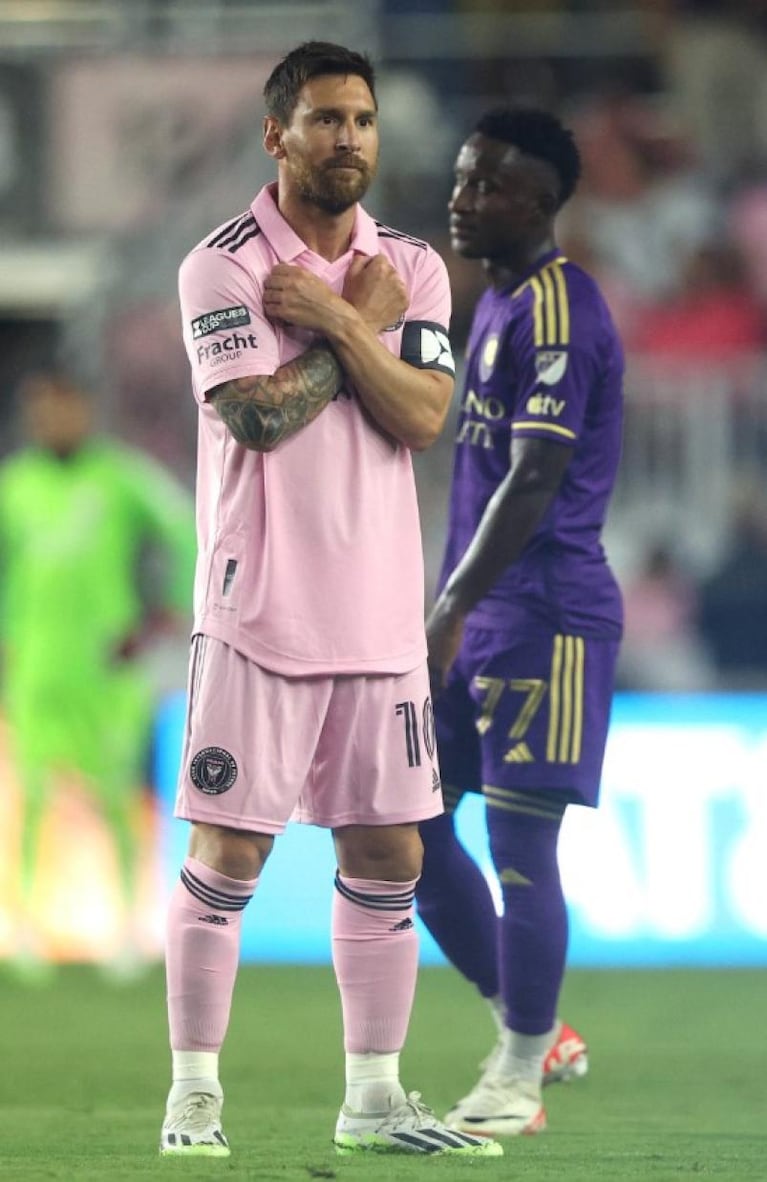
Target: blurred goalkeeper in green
78, 513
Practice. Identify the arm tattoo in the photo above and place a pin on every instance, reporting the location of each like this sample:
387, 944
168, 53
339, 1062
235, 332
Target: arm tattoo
262, 411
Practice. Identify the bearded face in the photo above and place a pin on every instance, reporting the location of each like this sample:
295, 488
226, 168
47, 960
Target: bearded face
334, 186
330, 147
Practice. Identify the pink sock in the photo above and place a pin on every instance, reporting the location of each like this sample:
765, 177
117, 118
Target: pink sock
375, 956
202, 953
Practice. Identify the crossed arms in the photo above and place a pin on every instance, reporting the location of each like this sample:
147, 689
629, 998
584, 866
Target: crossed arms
409, 404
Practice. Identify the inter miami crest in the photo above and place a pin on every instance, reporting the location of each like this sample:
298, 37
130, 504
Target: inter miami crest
213, 770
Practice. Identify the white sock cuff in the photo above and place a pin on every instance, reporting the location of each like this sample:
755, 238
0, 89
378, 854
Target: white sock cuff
529, 1046
362, 1068
194, 1065
372, 1082
523, 1054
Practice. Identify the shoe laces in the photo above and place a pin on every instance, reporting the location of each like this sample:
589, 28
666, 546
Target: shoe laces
413, 1112
200, 1110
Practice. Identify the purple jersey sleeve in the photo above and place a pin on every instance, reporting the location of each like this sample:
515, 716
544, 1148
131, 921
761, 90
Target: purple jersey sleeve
226, 334
557, 354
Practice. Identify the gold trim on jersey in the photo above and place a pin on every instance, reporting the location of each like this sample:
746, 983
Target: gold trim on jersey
565, 735
529, 803
568, 434
551, 307
563, 304
537, 310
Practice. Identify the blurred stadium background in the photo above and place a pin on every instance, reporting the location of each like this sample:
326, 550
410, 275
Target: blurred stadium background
128, 128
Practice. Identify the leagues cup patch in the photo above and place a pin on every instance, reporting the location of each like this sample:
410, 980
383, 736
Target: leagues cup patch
213, 770
233, 317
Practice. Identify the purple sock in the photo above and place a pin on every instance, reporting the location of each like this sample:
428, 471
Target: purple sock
455, 903
532, 943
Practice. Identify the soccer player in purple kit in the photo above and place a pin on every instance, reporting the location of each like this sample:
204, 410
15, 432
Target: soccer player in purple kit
320, 359
524, 633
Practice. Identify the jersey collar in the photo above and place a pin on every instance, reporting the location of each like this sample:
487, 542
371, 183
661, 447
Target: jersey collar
554, 255
286, 243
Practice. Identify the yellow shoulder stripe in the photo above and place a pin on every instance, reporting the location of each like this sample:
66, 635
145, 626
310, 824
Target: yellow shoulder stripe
551, 307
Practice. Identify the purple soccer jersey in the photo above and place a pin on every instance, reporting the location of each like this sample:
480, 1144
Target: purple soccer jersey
528, 700
544, 360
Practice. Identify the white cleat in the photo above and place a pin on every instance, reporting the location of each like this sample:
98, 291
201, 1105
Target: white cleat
499, 1107
192, 1125
409, 1128
566, 1059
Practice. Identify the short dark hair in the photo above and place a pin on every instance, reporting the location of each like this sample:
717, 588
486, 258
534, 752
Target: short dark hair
307, 61
540, 134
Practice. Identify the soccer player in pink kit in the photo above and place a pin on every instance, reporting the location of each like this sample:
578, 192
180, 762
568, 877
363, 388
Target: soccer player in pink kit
320, 359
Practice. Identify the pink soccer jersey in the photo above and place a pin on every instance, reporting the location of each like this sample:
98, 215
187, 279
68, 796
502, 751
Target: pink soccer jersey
310, 557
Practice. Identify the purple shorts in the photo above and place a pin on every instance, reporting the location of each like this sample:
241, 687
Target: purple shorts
262, 749
526, 711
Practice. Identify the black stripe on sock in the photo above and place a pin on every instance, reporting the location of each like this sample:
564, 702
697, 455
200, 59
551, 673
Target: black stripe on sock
395, 902
212, 898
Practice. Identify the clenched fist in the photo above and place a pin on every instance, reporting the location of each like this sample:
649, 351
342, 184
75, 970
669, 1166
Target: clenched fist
375, 289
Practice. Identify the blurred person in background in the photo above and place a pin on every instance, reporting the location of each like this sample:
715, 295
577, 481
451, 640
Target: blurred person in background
662, 649
733, 598
642, 210
712, 317
524, 635
713, 55
76, 513
320, 359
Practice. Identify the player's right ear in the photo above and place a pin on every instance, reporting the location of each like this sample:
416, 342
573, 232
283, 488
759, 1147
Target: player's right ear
273, 145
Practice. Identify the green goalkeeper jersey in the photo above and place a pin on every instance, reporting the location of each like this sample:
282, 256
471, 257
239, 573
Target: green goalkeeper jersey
72, 533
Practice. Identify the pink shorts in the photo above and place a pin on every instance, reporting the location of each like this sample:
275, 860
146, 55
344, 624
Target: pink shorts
262, 749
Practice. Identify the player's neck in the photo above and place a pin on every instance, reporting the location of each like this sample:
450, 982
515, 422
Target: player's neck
325, 234
513, 267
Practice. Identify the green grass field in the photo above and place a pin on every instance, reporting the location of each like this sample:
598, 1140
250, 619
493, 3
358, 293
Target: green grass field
676, 1089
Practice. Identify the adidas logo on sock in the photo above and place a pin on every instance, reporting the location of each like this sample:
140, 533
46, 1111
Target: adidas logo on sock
219, 920
404, 925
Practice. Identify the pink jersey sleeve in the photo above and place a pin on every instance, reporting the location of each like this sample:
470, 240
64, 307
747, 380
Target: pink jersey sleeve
431, 294
225, 332
425, 339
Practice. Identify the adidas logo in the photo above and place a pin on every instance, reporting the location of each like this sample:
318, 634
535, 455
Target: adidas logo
219, 920
404, 925
436, 783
